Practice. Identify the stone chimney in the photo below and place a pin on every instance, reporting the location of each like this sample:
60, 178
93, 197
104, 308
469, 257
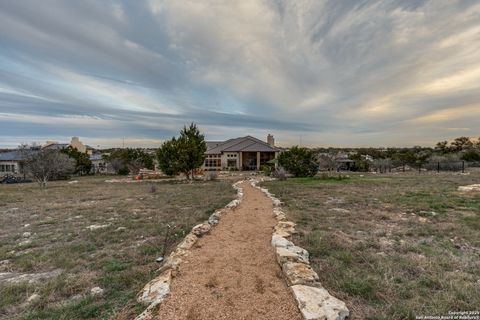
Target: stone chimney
271, 140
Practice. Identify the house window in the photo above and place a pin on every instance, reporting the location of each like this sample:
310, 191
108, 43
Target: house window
213, 161
231, 163
7, 168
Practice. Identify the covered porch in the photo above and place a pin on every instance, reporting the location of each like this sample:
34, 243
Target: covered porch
254, 160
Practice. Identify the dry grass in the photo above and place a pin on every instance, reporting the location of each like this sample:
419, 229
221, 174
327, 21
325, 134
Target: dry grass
391, 246
120, 258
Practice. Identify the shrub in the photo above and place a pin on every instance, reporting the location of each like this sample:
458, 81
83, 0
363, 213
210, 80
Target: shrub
123, 171
211, 176
266, 169
471, 156
280, 174
301, 162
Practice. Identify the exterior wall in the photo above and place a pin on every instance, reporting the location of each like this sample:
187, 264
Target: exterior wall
9, 164
232, 156
76, 143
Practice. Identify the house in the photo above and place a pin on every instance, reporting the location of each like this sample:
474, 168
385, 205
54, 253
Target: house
74, 143
99, 164
245, 153
12, 162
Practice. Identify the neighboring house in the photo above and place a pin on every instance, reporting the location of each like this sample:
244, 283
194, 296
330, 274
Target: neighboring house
245, 153
11, 162
99, 165
75, 143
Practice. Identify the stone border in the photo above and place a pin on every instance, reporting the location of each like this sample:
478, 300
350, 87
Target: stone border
158, 289
314, 301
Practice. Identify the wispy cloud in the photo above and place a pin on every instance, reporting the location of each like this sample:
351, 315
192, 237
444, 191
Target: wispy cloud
319, 72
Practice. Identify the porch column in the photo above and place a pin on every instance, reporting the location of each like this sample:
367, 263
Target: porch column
240, 161
258, 160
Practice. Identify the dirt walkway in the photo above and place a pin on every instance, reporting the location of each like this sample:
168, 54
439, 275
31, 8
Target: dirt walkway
232, 273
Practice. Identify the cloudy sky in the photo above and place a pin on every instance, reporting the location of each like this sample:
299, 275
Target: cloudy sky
319, 73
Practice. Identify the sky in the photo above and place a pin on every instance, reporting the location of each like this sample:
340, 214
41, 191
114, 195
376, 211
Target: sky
312, 73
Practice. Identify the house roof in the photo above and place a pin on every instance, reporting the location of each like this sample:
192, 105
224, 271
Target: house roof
245, 144
15, 155
56, 146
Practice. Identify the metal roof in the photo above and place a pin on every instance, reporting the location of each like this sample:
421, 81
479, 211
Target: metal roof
16, 155
243, 144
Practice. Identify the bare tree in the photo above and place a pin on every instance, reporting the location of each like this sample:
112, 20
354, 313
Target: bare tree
327, 162
47, 164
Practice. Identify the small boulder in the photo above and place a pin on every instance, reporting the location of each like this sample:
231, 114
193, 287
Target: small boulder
299, 273
188, 242
33, 298
201, 229
318, 304
291, 254
26, 234
96, 291
156, 290
279, 241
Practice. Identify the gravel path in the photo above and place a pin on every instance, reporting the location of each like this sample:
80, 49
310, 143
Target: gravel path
232, 273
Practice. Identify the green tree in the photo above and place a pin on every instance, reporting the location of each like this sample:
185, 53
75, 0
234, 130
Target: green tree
301, 162
461, 144
442, 147
183, 155
83, 164
168, 157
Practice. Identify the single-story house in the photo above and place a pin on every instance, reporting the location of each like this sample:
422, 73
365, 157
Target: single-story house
11, 162
245, 153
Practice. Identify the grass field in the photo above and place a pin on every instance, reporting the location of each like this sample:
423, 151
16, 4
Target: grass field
391, 246
50, 231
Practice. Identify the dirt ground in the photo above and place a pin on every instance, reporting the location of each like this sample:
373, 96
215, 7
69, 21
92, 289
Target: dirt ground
231, 273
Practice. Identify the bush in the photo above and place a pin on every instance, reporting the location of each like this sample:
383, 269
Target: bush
301, 162
280, 174
123, 171
266, 169
471, 156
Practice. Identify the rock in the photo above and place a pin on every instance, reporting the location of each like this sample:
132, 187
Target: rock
233, 204
25, 242
201, 229
276, 202
33, 298
120, 229
340, 210
299, 273
96, 291
279, 215
214, 218
285, 227
188, 242
291, 254
156, 290
159, 259
318, 304
26, 234
73, 182
13, 277
173, 261
279, 241
469, 188
97, 226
